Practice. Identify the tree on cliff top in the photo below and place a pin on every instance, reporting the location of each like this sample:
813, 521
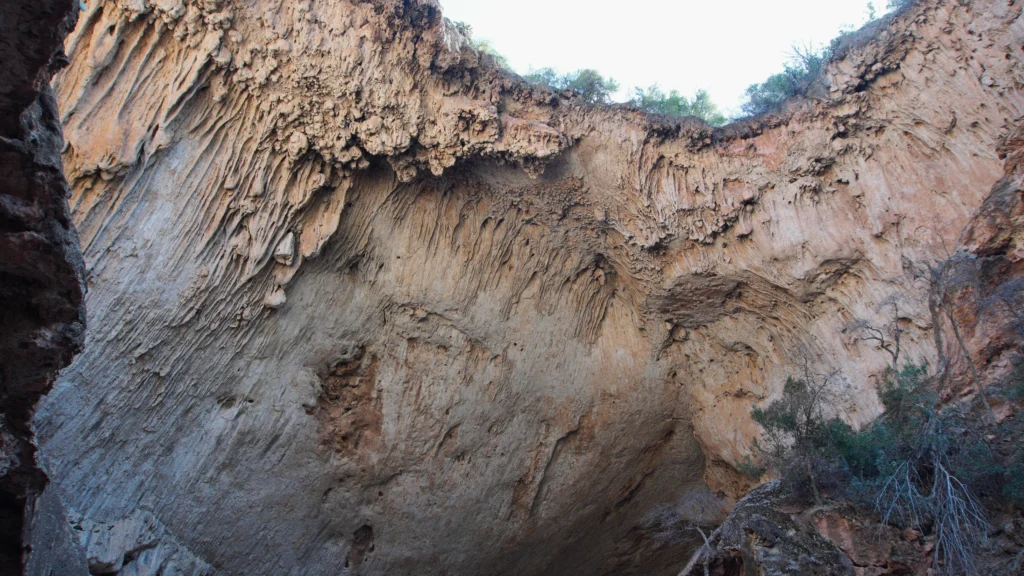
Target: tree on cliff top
655, 101
588, 84
803, 68
482, 46
485, 47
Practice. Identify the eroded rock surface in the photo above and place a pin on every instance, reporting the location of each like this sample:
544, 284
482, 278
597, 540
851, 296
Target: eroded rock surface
41, 272
365, 303
772, 533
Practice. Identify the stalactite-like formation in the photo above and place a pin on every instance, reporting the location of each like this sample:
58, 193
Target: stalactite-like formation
359, 299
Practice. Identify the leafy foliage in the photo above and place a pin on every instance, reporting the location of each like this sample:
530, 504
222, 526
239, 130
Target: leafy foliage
1013, 490
750, 469
592, 88
801, 71
485, 47
803, 68
482, 46
655, 101
589, 85
1013, 430
918, 466
797, 439
770, 94
906, 396
546, 77
464, 28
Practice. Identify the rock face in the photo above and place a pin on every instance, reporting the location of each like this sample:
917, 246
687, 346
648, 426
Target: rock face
992, 249
365, 303
41, 273
769, 533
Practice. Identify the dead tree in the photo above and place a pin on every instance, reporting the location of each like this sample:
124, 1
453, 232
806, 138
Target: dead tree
887, 337
705, 510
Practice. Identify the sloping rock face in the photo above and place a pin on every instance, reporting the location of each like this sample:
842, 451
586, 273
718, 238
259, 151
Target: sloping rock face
991, 253
361, 302
41, 274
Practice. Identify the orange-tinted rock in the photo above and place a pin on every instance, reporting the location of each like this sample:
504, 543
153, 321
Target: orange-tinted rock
864, 550
565, 314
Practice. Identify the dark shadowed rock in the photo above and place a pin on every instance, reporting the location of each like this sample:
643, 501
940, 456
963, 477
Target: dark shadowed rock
42, 313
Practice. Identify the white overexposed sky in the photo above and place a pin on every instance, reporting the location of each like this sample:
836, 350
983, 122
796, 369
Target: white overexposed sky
722, 46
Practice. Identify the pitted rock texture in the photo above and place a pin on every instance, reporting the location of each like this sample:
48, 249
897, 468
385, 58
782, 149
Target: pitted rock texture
41, 268
366, 303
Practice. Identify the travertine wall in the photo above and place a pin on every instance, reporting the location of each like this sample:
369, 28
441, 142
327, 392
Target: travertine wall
360, 299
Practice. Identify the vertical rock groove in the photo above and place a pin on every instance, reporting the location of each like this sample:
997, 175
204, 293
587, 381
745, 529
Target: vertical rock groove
556, 308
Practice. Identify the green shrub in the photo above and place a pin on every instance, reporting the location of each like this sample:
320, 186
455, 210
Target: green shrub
918, 466
864, 454
545, 77
974, 462
749, 469
655, 101
482, 46
797, 438
800, 72
797, 422
1013, 488
1012, 429
906, 396
485, 47
590, 87
769, 95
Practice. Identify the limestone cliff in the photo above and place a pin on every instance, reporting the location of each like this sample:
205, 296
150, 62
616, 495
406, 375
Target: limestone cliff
362, 302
